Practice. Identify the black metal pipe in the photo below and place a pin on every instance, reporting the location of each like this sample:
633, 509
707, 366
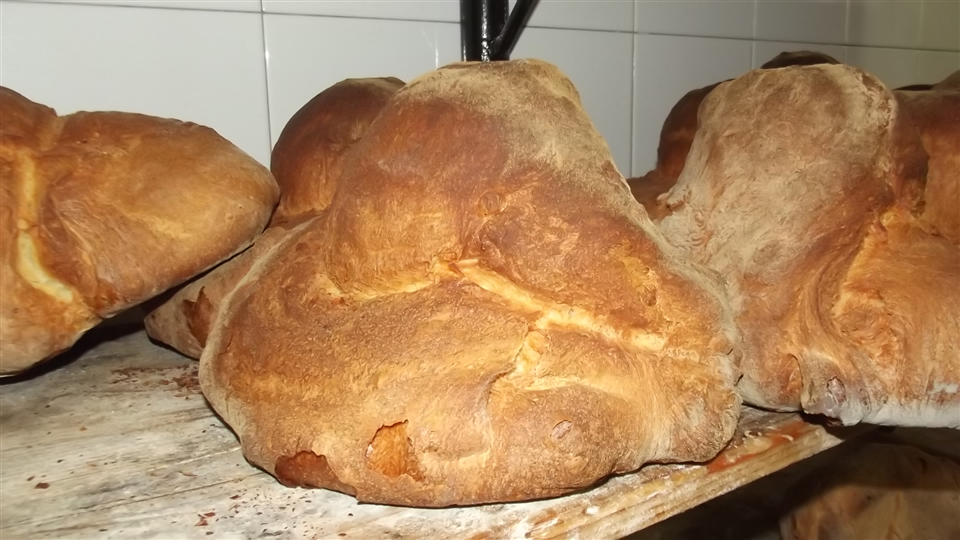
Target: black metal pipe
481, 22
503, 44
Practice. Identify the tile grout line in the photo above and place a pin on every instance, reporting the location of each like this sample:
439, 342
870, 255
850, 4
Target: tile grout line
846, 24
846, 33
633, 31
266, 81
126, 6
916, 62
633, 87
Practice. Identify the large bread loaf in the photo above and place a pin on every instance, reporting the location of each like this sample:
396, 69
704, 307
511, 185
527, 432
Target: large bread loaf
482, 314
103, 210
803, 188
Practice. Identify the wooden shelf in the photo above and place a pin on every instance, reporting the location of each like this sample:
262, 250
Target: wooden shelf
119, 443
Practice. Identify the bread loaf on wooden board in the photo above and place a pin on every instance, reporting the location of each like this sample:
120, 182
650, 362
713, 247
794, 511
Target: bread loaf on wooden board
482, 314
307, 161
103, 210
678, 130
803, 188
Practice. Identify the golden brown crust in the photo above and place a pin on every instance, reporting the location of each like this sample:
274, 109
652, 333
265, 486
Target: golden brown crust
308, 157
104, 210
119, 179
307, 162
676, 136
39, 316
802, 185
647, 190
678, 131
936, 115
184, 320
899, 306
483, 313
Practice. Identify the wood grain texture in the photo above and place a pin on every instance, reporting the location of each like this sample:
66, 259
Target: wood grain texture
119, 443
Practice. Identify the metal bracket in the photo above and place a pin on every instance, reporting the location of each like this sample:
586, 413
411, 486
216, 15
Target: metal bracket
487, 33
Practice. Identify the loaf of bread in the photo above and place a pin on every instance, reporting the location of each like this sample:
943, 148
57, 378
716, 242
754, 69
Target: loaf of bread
482, 314
103, 210
678, 131
307, 161
803, 189
936, 115
881, 492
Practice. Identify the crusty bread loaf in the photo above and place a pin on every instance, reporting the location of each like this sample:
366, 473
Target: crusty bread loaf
881, 492
103, 210
482, 314
308, 156
307, 162
802, 188
678, 131
936, 115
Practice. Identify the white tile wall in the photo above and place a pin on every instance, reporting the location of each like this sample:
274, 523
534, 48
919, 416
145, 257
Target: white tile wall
895, 67
582, 14
417, 10
210, 5
306, 55
809, 21
666, 68
713, 18
940, 25
934, 66
202, 66
213, 61
884, 23
575, 14
764, 51
599, 64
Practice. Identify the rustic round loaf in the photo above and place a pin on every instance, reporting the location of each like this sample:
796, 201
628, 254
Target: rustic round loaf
482, 314
103, 210
803, 188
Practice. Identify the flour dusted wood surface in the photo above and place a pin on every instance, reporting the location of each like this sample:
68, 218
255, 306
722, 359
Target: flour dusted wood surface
119, 443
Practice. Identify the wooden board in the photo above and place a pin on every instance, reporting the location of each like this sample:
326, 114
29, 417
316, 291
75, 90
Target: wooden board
119, 443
